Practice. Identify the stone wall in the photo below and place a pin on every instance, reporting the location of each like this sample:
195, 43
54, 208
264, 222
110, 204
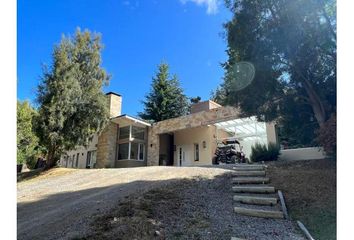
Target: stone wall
189, 121
106, 146
310, 153
114, 104
204, 106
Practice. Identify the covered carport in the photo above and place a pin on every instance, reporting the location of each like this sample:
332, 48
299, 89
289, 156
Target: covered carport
248, 131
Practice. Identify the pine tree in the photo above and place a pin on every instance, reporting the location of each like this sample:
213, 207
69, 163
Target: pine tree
166, 98
27, 141
73, 106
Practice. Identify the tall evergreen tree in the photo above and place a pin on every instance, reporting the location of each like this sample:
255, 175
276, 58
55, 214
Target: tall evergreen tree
27, 141
292, 45
72, 105
166, 98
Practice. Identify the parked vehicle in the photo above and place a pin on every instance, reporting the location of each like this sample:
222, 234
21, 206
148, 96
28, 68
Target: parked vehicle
229, 151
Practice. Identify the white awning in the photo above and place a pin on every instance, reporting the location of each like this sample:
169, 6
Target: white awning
244, 128
128, 120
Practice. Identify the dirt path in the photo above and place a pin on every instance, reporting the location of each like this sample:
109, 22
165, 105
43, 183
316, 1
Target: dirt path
61, 206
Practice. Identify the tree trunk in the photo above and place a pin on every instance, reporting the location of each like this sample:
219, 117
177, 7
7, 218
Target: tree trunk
51, 158
316, 103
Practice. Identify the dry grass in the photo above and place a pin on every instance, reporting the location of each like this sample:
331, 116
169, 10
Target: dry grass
310, 193
39, 174
136, 216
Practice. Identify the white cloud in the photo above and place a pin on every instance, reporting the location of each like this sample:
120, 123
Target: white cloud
212, 5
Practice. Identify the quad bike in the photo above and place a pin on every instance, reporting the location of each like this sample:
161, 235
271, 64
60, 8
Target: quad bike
226, 152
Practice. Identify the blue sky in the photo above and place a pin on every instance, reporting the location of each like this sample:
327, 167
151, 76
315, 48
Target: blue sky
137, 35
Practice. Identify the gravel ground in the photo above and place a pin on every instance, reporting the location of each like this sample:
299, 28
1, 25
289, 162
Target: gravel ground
199, 208
178, 202
61, 206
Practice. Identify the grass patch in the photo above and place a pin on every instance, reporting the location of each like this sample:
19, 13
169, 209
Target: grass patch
309, 188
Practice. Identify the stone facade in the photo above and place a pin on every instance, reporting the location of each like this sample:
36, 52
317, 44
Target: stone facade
198, 119
204, 106
114, 104
106, 146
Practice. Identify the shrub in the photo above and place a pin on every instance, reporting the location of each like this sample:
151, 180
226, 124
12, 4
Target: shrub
327, 136
260, 152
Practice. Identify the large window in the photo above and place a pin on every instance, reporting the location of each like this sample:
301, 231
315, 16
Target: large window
131, 143
123, 152
138, 133
124, 132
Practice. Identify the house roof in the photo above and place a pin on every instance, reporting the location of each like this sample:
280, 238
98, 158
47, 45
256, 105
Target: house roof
131, 119
114, 94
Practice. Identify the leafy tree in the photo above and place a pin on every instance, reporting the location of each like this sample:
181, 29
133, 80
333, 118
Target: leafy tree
72, 105
27, 141
292, 45
166, 98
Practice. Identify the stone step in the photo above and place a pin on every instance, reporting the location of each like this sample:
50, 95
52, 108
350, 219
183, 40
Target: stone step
252, 180
249, 167
258, 213
248, 173
253, 189
256, 200
236, 238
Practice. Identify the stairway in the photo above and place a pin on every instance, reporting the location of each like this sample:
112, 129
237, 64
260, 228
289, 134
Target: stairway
253, 196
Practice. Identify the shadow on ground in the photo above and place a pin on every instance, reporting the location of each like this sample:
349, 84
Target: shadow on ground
197, 208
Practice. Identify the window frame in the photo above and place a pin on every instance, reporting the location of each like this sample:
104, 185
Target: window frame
131, 140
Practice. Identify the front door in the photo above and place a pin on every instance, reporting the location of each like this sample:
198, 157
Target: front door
181, 156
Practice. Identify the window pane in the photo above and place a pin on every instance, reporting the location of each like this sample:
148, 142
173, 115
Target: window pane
196, 152
134, 150
123, 151
141, 151
124, 132
138, 132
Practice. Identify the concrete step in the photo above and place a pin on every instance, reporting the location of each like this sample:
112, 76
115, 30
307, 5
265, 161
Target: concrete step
236, 238
258, 213
250, 180
253, 189
256, 200
249, 167
248, 173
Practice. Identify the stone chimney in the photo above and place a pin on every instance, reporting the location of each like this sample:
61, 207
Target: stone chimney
115, 104
204, 106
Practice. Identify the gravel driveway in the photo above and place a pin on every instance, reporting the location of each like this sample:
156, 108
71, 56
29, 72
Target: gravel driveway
61, 207
67, 206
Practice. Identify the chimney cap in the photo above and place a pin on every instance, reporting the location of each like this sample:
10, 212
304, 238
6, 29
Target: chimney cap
113, 94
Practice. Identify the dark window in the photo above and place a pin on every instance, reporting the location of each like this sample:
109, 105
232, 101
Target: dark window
141, 151
134, 149
123, 151
124, 132
196, 152
91, 159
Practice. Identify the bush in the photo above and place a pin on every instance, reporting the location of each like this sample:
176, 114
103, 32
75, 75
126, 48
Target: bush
260, 152
327, 136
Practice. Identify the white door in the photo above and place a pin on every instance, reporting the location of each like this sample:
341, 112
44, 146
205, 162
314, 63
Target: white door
181, 156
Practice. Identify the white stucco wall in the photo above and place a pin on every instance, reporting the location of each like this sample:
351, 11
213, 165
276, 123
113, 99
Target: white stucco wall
310, 153
82, 154
187, 138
